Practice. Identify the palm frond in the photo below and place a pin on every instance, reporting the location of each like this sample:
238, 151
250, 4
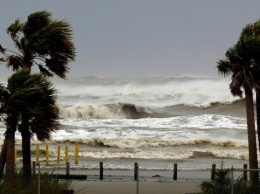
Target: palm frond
236, 85
35, 22
14, 29
53, 43
224, 67
42, 38
2, 50
35, 95
14, 62
44, 71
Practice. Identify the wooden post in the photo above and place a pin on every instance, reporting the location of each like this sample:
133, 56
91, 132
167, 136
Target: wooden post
135, 171
137, 179
245, 172
66, 154
101, 171
68, 192
76, 153
213, 172
175, 171
15, 157
34, 167
67, 169
58, 155
47, 155
37, 153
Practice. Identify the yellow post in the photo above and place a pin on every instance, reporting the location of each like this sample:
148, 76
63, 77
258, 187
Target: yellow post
37, 153
76, 153
15, 157
66, 154
47, 155
58, 155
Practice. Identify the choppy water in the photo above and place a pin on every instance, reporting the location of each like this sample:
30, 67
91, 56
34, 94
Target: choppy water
188, 120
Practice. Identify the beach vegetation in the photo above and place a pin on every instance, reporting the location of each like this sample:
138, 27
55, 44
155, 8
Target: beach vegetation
34, 95
47, 185
223, 184
242, 63
46, 43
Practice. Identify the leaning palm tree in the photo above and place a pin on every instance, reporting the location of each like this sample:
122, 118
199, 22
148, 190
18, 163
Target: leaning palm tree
35, 96
251, 38
38, 103
45, 43
11, 120
238, 64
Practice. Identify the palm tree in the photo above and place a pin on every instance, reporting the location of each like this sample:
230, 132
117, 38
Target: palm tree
238, 63
11, 120
45, 43
251, 38
41, 40
35, 96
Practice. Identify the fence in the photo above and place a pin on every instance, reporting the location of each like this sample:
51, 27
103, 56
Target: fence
104, 179
47, 158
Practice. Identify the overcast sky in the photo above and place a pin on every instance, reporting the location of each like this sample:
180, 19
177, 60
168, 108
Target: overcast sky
142, 37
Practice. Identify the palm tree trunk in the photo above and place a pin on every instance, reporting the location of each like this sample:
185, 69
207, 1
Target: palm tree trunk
253, 164
3, 157
26, 148
258, 118
10, 136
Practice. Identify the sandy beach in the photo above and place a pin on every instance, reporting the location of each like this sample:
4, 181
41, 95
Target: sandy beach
103, 187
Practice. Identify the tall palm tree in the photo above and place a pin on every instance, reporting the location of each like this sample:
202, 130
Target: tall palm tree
238, 64
35, 96
11, 120
251, 38
45, 43
39, 106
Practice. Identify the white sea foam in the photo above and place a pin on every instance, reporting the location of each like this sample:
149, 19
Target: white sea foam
153, 92
156, 154
90, 111
138, 155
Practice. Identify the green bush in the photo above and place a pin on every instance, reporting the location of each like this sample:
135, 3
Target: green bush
222, 185
48, 185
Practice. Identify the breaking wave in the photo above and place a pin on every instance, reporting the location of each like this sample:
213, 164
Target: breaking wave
144, 143
132, 111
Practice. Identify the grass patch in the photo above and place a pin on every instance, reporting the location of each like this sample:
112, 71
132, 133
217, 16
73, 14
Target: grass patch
48, 185
222, 185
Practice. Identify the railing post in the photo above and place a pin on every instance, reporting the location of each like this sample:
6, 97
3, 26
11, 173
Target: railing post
76, 153
213, 172
39, 178
47, 154
175, 171
135, 170
66, 154
101, 171
58, 155
15, 157
137, 178
37, 154
232, 180
245, 172
67, 169
34, 167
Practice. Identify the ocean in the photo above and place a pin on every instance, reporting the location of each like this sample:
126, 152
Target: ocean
194, 122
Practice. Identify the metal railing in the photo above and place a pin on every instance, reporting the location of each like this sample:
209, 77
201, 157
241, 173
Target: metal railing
105, 178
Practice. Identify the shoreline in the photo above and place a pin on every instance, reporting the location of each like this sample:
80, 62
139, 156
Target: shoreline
103, 187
